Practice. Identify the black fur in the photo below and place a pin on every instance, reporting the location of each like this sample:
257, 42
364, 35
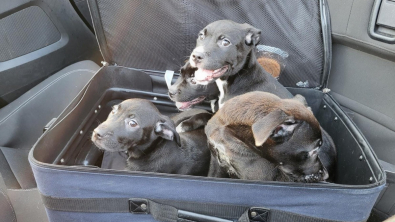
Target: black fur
186, 93
151, 141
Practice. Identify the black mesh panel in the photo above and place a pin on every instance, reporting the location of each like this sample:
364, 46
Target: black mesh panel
160, 35
26, 31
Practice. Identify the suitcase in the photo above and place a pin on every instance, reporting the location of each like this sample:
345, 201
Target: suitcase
139, 41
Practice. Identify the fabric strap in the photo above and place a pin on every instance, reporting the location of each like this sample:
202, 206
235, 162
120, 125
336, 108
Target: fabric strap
175, 211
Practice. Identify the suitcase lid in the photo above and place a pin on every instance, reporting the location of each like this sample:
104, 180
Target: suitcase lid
160, 35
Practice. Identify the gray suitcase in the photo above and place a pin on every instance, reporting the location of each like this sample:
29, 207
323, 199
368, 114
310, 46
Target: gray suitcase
139, 40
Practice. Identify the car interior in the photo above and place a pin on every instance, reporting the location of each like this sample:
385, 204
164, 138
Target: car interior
49, 52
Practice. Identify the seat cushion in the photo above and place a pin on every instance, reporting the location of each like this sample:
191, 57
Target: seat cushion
21, 175
28, 205
22, 121
6, 173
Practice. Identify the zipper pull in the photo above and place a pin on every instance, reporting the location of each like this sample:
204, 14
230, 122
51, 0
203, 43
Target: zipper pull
326, 90
104, 63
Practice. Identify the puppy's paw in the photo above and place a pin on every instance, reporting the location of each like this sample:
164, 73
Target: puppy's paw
184, 127
179, 128
313, 178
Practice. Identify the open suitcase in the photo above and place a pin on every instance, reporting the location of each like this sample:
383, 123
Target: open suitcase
139, 40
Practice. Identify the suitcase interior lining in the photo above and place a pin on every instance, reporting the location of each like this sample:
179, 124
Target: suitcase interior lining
351, 169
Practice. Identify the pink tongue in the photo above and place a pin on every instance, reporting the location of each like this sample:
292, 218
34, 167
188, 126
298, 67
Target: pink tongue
203, 74
182, 105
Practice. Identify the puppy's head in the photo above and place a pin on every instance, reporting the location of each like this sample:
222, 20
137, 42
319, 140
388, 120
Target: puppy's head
290, 136
133, 126
221, 49
186, 93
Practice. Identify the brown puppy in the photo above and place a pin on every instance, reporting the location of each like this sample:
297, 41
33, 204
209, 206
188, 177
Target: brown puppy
258, 136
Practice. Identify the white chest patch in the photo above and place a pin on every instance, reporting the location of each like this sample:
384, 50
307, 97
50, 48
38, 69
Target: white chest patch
221, 85
212, 102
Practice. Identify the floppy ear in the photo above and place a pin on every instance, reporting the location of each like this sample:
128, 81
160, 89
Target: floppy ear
165, 129
253, 36
276, 125
187, 69
186, 66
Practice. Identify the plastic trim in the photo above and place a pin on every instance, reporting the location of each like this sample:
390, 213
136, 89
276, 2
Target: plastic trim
373, 162
98, 27
327, 42
372, 25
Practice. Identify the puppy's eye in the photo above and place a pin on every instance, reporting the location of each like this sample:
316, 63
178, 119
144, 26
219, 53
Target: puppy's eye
193, 82
192, 75
133, 123
304, 155
225, 42
201, 36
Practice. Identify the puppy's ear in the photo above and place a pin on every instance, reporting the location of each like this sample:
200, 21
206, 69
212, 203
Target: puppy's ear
165, 129
253, 36
187, 69
276, 125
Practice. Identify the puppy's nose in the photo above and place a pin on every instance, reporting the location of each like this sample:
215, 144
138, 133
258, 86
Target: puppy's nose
97, 134
197, 56
172, 92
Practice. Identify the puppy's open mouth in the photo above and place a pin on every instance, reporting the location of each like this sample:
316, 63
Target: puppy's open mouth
186, 105
204, 76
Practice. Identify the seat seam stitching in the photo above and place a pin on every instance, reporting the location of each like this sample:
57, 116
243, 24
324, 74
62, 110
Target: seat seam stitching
42, 90
30, 189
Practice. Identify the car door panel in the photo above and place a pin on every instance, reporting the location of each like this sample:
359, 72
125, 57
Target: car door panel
37, 39
350, 20
362, 80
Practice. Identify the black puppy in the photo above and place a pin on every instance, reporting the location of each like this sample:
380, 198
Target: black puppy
186, 93
151, 141
258, 136
225, 52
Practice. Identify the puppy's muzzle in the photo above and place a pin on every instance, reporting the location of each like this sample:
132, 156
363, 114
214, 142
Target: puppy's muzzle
197, 57
173, 92
98, 134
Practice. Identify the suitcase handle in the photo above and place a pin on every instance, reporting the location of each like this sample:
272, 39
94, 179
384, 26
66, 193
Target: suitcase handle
175, 211
190, 216
164, 212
